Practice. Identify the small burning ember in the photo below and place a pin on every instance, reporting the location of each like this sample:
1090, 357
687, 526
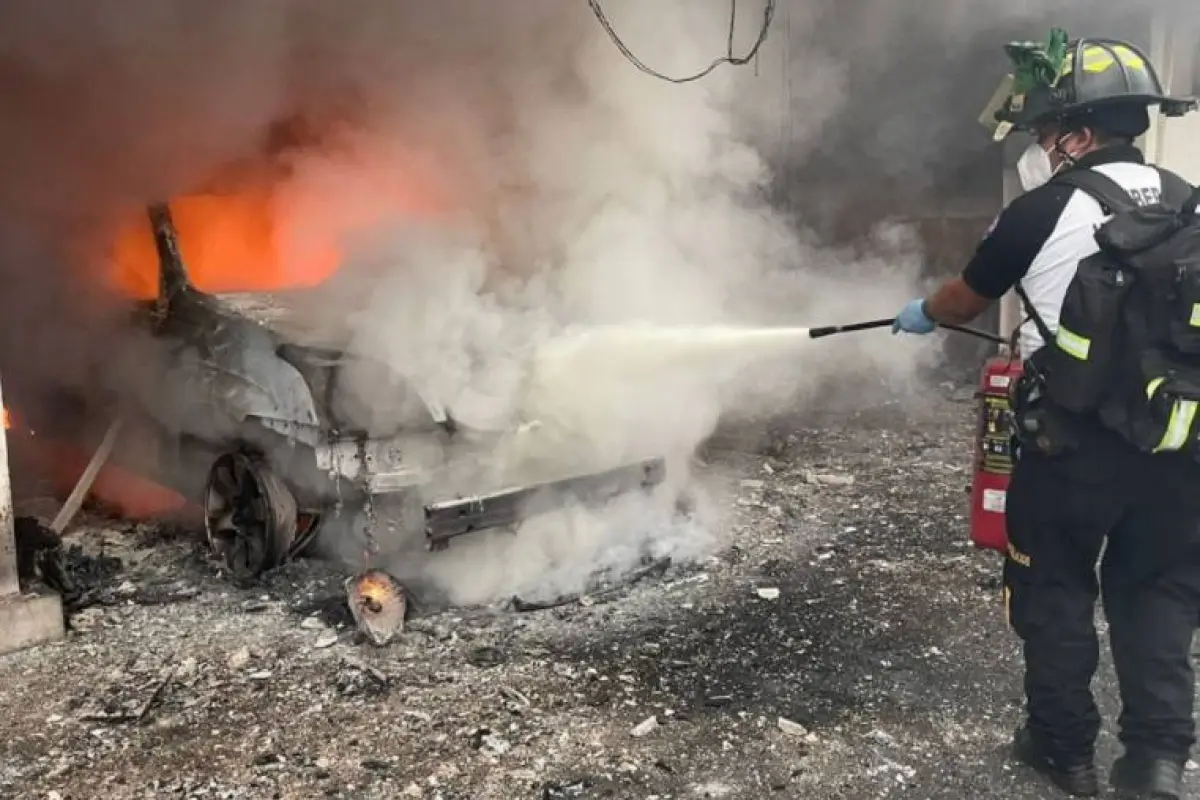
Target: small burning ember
15, 422
378, 605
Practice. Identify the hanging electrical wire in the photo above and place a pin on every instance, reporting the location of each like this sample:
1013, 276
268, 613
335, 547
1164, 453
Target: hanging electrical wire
728, 58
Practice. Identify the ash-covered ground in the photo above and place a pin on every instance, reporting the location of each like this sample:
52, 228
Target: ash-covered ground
849, 644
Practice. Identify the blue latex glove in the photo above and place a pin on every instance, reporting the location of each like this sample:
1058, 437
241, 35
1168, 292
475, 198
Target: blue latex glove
913, 319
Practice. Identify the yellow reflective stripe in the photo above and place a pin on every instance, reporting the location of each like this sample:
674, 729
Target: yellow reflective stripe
1074, 344
1129, 58
1152, 387
1099, 59
1195, 320
1183, 413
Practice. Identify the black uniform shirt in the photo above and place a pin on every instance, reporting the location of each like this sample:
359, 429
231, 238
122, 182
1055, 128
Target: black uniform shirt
1042, 235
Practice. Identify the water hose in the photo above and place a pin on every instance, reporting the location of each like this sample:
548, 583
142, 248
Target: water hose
830, 330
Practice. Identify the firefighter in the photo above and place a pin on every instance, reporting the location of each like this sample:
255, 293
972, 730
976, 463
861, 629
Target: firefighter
1083, 103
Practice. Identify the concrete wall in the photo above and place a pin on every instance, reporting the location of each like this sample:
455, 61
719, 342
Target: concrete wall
1175, 143
1180, 148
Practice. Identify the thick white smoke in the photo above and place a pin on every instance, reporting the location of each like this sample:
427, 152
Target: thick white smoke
590, 194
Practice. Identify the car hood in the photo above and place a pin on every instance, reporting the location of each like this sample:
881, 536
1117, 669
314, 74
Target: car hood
295, 317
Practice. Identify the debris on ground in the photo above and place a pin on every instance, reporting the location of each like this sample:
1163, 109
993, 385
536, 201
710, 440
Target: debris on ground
882, 669
603, 590
792, 728
645, 727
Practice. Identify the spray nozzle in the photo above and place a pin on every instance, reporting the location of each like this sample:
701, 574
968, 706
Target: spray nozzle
830, 330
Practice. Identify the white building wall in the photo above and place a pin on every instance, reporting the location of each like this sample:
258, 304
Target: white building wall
1175, 143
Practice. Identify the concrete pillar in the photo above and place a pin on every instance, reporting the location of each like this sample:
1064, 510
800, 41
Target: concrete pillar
1161, 56
1011, 312
25, 619
1174, 48
8, 544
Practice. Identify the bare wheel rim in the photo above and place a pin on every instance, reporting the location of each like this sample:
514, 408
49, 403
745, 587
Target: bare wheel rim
250, 516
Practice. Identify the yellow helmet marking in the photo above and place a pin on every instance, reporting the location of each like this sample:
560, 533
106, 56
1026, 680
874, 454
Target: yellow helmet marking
1099, 59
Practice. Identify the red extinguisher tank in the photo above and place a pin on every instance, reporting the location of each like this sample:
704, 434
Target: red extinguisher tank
993, 453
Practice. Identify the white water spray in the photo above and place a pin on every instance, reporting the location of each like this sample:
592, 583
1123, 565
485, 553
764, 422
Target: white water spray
636, 347
595, 397
651, 389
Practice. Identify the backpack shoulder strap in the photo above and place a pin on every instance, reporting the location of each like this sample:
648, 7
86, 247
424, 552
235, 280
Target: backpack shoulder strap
1192, 203
1101, 188
1176, 191
1031, 312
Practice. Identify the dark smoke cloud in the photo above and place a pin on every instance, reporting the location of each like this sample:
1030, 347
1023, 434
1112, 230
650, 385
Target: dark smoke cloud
914, 78
119, 100
111, 102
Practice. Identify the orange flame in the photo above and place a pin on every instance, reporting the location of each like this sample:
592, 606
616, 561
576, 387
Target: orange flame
241, 241
373, 590
7, 419
229, 243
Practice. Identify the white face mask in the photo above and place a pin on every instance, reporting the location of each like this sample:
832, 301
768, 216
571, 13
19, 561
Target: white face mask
1034, 167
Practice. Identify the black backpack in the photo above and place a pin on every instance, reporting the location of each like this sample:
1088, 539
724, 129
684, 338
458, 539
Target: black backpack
1127, 349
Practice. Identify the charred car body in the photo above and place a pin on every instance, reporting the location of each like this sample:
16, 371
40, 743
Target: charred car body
253, 408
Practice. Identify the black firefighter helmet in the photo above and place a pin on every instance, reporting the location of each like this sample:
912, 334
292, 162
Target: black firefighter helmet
1109, 80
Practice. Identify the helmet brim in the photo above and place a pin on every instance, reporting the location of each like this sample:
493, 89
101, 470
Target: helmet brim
1001, 123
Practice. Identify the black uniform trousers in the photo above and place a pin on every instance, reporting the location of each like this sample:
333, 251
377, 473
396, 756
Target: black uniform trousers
1060, 512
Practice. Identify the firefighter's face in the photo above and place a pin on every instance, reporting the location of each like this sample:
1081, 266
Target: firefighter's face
1063, 146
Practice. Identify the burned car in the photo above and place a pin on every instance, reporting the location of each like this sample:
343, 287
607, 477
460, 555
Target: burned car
250, 403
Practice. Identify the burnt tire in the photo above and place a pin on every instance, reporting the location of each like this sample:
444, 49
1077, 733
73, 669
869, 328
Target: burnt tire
249, 516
